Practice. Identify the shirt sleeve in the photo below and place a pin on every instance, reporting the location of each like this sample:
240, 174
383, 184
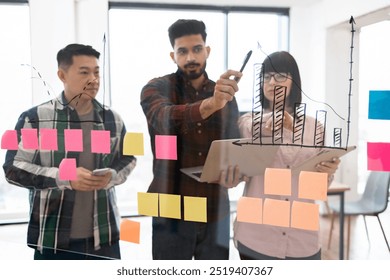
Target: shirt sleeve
22, 167
162, 113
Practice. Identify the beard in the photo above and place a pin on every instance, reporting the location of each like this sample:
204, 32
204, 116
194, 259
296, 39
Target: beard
193, 74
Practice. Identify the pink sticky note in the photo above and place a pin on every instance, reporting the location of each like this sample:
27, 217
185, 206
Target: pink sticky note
100, 141
30, 138
166, 147
378, 156
67, 169
250, 210
9, 140
48, 139
73, 140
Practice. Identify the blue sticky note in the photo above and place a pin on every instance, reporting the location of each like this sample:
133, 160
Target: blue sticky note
378, 105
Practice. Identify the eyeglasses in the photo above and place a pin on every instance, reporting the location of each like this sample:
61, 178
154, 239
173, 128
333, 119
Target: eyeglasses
279, 77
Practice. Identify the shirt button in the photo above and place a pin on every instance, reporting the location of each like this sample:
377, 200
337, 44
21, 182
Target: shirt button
284, 233
199, 131
200, 153
199, 124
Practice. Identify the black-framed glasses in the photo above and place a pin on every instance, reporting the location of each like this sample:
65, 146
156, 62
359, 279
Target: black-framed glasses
278, 77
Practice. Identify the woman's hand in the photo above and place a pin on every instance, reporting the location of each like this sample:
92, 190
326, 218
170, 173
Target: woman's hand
329, 167
288, 122
231, 177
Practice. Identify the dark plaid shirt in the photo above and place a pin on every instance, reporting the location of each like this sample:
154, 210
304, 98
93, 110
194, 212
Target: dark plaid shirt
171, 106
52, 199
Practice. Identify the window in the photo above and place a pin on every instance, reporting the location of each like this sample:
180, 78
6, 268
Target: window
139, 51
16, 89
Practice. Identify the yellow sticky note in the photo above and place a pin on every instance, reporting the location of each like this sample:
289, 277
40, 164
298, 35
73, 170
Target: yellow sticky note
305, 215
250, 210
195, 209
276, 212
130, 231
148, 204
277, 181
133, 144
313, 185
170, 206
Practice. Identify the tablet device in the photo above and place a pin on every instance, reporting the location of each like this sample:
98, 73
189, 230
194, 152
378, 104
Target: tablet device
251, 158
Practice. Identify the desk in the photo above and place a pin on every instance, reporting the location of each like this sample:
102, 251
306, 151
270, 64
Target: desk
340, 189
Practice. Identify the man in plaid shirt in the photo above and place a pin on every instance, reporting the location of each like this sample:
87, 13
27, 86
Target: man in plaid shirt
197, 110
75, 219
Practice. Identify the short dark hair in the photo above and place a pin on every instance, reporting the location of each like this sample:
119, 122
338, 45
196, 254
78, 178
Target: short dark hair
284, 62
65, 55
183, 27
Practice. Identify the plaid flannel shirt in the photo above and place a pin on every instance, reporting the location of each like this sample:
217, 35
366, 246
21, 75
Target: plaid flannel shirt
51, 200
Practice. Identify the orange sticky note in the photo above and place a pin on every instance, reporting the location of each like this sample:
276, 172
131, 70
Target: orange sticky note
250, 210
305, 215
148, 204
67, 169
30, 138
100, 141
195, 209
73, 140
313, 185
133, 144
170, 206
276, 212
130, 231
48, 139
166, 147
9, 140
277, 181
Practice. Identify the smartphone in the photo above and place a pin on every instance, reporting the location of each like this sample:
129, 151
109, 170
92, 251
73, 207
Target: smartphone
246, 59
100, 172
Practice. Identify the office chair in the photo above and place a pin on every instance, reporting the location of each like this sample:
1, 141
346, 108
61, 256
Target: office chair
373, 201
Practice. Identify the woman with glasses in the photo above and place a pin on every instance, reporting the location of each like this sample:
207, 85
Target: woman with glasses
280, 79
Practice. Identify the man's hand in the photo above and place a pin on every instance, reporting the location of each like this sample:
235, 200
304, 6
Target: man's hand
88, 182
224, 91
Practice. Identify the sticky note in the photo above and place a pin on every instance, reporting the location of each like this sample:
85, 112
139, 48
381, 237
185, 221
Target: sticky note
313, 185
166, 147
378, 102
276, 212
195, 209
48, 139
277, 181
378, 156
100, 141
148, 204
250, 210
67, 169
9, 140
30, 138
170, 206
305, 215
73, 140
130, 231
133, 144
